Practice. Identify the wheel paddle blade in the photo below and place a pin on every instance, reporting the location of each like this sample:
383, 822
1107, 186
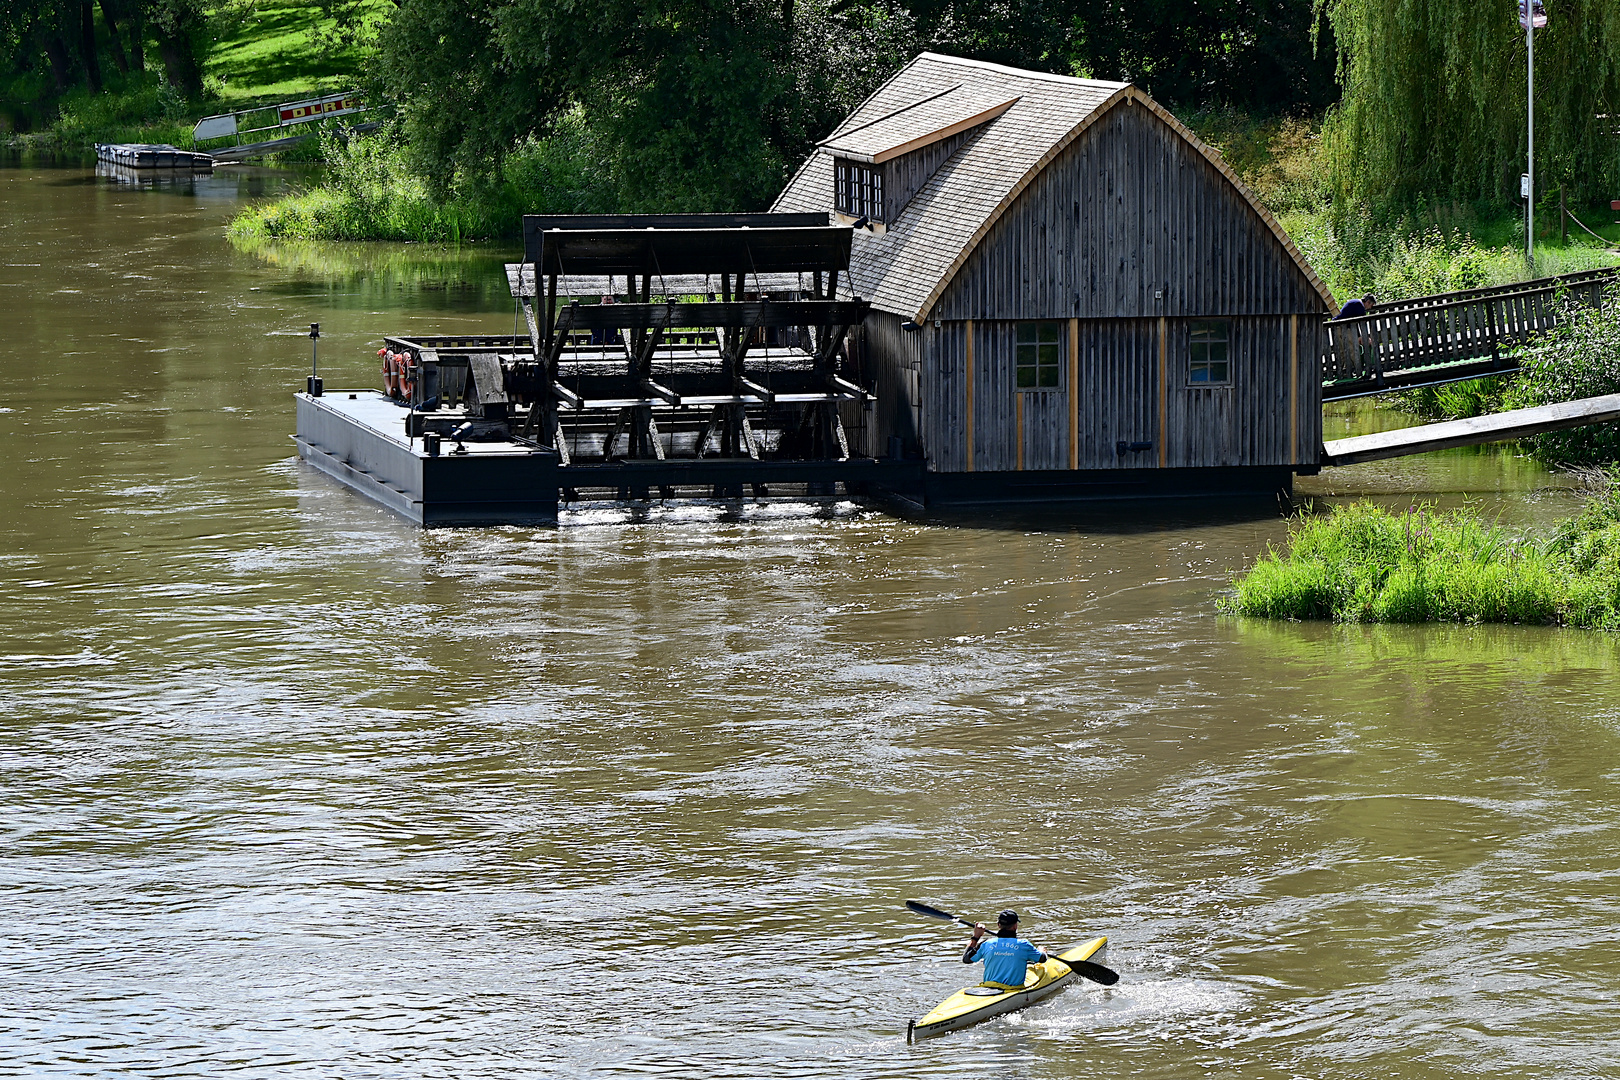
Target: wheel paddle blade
1095, 972
932, 912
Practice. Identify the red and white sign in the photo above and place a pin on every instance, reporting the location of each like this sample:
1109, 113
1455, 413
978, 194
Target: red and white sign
302, 112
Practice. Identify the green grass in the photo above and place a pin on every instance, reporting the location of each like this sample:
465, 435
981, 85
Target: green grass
1366, 563
370, 193
282, 51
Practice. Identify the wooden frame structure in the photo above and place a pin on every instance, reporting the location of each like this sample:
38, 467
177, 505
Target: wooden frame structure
1430, 340
712, 337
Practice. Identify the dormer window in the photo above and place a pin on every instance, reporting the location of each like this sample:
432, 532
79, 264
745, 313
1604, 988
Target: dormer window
880, 163
858, 189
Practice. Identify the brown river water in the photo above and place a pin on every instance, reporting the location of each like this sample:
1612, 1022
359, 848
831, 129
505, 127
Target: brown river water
290, 788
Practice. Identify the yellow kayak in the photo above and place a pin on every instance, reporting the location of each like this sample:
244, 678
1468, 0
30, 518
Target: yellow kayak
972, 1004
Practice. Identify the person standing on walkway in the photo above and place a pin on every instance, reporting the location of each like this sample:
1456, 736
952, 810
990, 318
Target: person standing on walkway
1357, 307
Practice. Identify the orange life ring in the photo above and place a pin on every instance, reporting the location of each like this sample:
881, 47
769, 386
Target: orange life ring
390, 380
407, 375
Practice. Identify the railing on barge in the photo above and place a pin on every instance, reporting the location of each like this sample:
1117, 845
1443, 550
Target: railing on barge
1449, 337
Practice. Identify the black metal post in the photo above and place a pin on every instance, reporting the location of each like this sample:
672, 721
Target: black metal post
314, 384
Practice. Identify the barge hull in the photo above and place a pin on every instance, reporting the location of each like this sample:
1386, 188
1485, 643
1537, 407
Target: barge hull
358, 438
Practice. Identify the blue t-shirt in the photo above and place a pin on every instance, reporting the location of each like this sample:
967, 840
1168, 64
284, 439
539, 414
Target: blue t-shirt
1004, 959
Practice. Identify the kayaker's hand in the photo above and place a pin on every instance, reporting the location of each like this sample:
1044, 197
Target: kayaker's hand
978, 931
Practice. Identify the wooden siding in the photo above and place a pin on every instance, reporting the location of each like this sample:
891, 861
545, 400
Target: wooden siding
891, 361
1112, 395
905, 175
1129, 210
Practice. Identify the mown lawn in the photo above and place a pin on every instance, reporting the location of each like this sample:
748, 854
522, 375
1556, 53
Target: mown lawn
276, 56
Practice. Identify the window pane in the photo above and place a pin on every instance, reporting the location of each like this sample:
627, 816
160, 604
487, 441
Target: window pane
1027, 332
1049, 354
1049, 331
1208, 342
1049, 376
1026, 376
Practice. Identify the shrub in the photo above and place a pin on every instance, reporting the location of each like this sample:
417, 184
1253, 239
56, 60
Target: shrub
1580, 357
1365, 563
373, 192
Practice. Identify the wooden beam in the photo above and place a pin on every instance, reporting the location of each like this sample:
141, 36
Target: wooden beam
1164, 391
663, 392
1018, 425
567, 396
830, 341
559, 337
1293, 388
846, 387
750, 313
527, 303
1494, 427
758, 391
968, 373
1074, 393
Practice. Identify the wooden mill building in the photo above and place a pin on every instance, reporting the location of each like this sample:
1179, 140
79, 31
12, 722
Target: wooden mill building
1071, 294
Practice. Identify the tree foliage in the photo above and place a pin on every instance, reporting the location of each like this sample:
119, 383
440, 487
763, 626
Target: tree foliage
704, 104
48, 47
1434, 102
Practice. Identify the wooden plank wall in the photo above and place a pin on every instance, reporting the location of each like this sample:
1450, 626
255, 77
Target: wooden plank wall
1112, 394
1129, 210
892, 361
1128, 231
905, 175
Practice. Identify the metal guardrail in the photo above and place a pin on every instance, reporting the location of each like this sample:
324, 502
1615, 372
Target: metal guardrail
287, 114
1447, 337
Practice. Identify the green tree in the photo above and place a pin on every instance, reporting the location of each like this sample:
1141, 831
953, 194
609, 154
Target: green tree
690, 104
1430, 105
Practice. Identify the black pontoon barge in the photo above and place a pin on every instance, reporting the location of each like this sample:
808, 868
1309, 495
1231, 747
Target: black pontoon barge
667, 356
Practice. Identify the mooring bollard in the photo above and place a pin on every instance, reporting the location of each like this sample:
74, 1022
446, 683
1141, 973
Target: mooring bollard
314, 382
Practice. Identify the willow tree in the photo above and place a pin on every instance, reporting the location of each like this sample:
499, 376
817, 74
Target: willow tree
1434, 99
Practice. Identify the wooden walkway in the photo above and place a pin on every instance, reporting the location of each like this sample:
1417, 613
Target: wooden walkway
1497, 427
1446, 338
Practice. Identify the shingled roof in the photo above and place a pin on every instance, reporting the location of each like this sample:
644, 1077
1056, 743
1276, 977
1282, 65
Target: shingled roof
908, 267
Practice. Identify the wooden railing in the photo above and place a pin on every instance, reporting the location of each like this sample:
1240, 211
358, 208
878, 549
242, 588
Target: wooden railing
1452, 336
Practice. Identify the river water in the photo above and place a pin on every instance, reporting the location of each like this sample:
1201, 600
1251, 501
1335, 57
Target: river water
293, 789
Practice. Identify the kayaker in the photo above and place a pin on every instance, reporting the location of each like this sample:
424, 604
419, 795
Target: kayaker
1005, 956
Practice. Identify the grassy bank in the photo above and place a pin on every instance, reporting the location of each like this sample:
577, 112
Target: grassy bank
279, 50
1365, 563
371, 193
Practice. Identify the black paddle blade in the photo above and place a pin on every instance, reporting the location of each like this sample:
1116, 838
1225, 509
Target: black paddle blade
932, 912
1095, 972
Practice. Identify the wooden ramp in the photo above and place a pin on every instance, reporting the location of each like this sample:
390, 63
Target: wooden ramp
1497, 427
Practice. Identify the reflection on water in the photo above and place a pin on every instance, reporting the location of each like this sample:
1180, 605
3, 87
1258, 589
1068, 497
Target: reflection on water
472, 277
295, 790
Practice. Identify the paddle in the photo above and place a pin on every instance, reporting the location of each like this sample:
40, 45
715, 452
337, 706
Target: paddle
1094, 972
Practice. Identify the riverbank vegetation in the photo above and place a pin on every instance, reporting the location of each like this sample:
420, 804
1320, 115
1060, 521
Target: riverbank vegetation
1580, 357
73, 74
1366, 563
